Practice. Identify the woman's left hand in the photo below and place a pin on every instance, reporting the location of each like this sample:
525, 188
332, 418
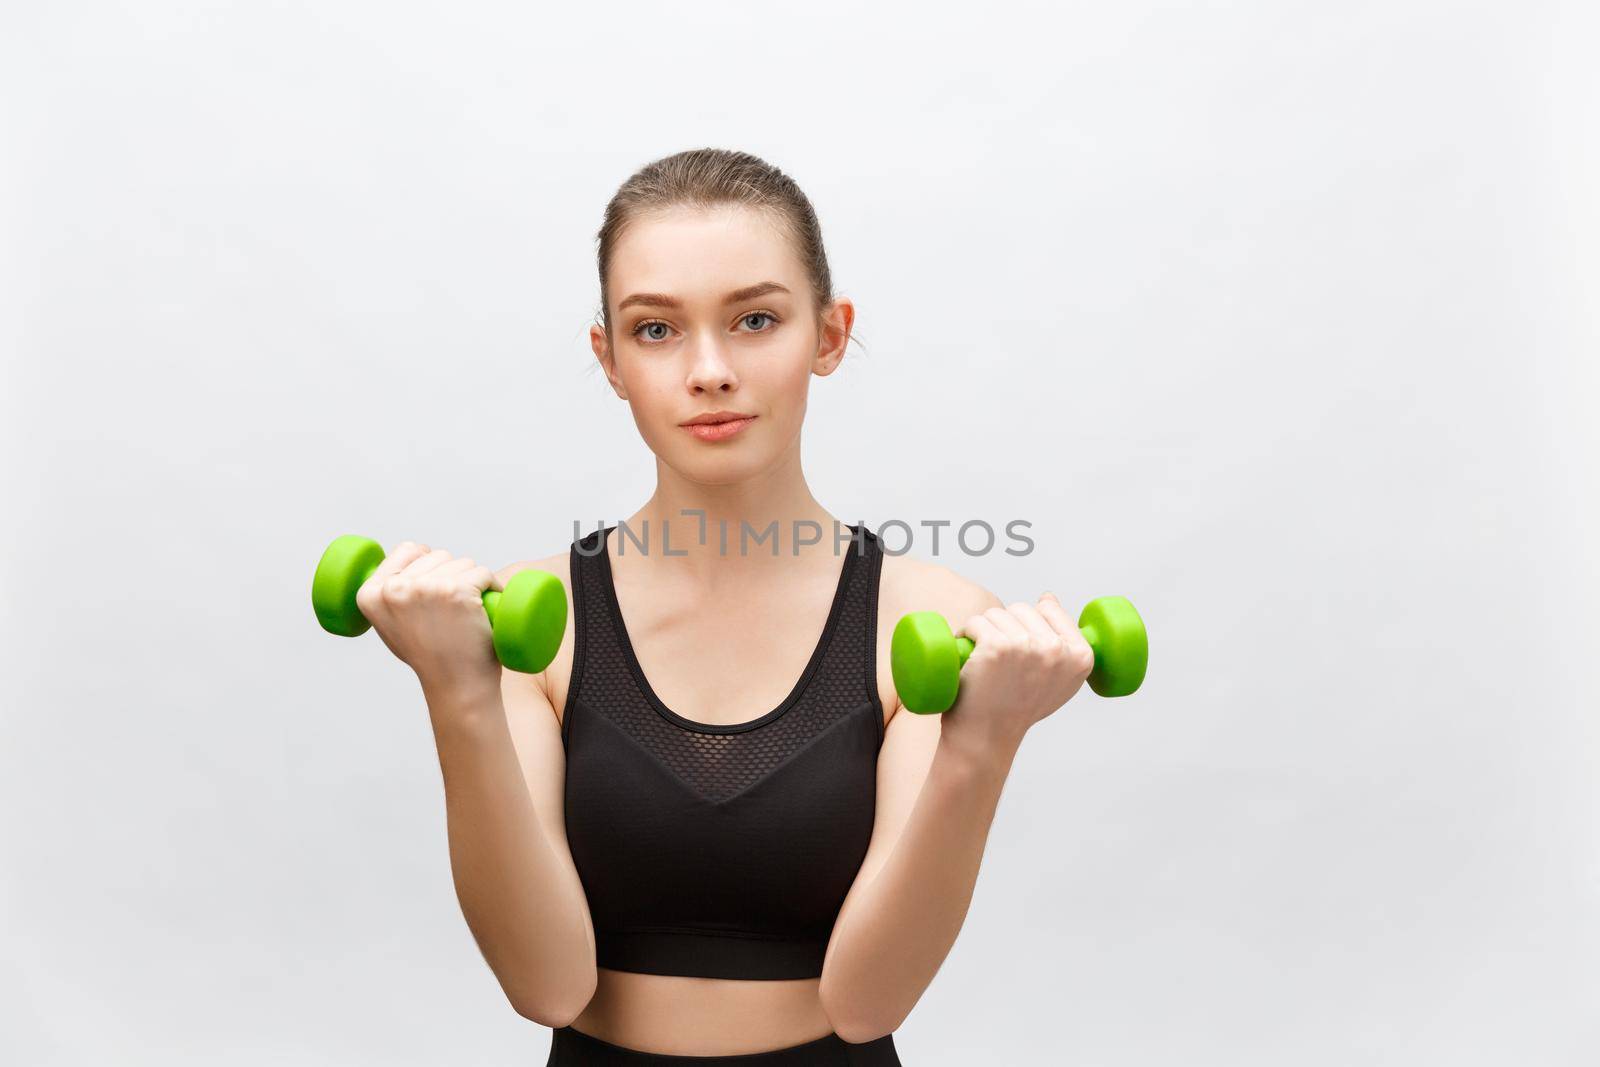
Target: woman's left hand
1027, 661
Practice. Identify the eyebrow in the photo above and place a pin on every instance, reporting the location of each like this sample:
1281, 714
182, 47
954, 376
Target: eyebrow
749, 292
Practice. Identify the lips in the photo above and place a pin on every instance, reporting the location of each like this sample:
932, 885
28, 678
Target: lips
711, 417
718, 426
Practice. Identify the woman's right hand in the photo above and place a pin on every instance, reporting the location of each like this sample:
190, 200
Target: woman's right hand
427, 607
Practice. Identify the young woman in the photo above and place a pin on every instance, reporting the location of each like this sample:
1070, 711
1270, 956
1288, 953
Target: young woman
708, 829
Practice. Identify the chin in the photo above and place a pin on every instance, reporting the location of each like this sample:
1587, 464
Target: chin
719, 470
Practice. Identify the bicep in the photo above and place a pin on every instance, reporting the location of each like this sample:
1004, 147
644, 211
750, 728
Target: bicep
535, 727
536, 735
909, 742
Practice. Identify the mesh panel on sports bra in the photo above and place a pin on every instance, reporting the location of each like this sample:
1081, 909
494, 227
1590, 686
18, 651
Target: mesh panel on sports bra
720, 762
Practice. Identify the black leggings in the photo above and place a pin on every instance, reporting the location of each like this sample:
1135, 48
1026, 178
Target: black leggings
573, 1048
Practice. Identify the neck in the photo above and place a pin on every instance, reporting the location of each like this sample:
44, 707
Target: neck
775, 505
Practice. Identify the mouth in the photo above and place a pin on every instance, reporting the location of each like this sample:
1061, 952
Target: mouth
718, 425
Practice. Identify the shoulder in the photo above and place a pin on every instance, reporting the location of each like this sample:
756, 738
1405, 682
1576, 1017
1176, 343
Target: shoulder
552, 680
909, 584
559, 565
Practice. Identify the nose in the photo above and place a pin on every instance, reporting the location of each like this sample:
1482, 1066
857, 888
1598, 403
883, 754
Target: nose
710, 369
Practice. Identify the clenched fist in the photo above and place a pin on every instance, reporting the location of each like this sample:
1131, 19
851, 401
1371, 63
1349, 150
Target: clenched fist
427, 606
1027, 661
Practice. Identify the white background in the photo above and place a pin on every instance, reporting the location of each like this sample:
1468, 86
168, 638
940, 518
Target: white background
1278, 318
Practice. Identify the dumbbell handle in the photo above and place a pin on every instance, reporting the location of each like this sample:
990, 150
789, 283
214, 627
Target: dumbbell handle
965, 645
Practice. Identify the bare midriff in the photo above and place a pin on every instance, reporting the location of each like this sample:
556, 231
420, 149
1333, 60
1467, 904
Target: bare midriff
685, 1016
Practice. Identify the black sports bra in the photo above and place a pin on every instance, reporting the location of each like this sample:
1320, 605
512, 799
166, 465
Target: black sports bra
720, 851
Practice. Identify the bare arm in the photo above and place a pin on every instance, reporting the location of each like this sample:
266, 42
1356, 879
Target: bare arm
936, 802
504, 770
896, 930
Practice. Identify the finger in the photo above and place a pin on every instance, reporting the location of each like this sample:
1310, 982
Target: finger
979, 630
441, 577
468, 571
398, 558
1006, 623
1033, 622
424, 564
1051, 610
453, 566
484, 578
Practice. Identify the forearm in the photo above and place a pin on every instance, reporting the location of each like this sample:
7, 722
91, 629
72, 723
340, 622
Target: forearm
524, 905
892, 939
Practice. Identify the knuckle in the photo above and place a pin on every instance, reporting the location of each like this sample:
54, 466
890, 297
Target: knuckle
398, 590
1048, 646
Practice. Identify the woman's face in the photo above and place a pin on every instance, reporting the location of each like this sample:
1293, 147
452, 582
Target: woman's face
711, 310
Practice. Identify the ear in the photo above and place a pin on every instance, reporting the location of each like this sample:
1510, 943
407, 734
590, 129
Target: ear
833, 335
607, 358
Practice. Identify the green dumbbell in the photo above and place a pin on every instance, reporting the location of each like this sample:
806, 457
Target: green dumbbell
529, 616
926, 660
